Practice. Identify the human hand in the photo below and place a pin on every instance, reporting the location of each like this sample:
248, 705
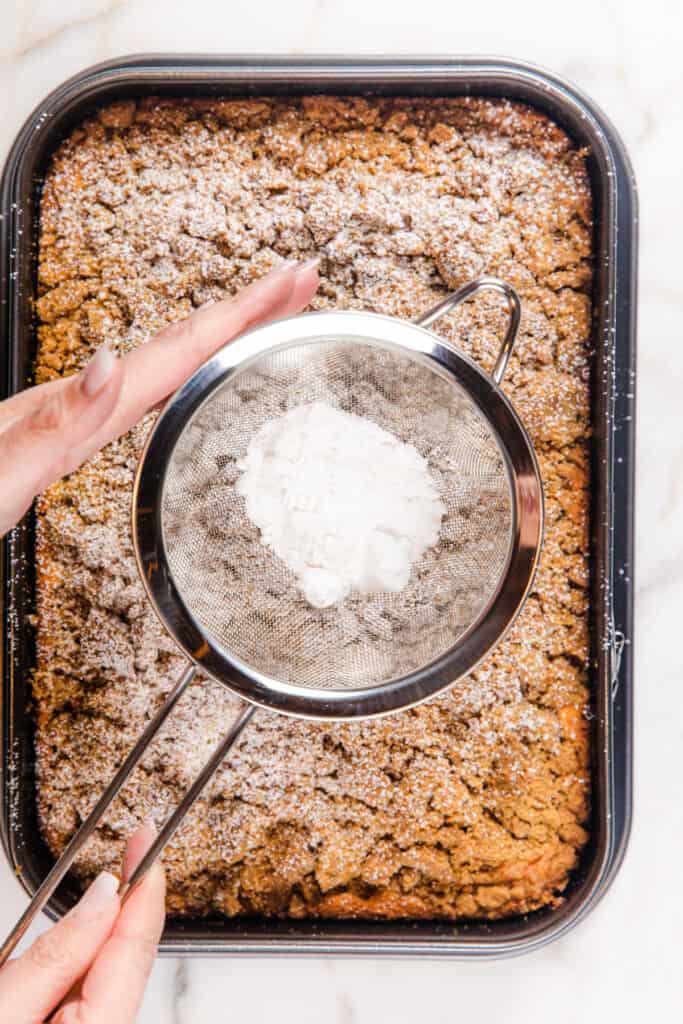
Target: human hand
100, 954
49, 430
95, 962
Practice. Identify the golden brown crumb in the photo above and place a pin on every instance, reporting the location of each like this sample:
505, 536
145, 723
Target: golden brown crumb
473, 805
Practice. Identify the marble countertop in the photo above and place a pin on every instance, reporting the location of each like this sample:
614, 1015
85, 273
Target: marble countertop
624, 961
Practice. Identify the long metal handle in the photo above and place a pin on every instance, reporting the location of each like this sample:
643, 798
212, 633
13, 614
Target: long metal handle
466, 292
173, 821
78, 840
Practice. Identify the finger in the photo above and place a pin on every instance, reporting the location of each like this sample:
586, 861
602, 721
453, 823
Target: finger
59, 430
156, 369
306, 281
112, 991
32, 398
37, 448
33, 984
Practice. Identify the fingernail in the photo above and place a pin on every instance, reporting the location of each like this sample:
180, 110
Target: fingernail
287, 265
98, 897
148, 829
140, 841
311, 264
98, 371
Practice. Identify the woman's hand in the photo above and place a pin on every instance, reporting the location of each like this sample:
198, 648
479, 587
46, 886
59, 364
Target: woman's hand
95, 962
49, 430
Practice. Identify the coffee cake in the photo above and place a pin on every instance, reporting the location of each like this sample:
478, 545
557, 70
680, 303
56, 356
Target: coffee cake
472, 805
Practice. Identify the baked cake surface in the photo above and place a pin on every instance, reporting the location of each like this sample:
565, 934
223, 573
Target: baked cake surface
472, 805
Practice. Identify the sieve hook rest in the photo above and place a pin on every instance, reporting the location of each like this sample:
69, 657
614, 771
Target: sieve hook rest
470, 289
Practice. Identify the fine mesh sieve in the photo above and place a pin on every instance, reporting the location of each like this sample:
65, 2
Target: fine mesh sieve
234, 608
247, 600
232, 604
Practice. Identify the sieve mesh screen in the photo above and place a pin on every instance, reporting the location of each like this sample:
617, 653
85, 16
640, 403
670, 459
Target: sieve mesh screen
247, 600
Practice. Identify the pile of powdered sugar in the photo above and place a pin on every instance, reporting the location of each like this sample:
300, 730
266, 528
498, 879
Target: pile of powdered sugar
343, 502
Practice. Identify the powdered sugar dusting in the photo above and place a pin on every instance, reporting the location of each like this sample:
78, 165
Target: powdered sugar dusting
473, 804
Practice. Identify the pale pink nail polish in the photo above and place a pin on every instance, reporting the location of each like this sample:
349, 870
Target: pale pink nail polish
287, 265
97, 898
311, 264
148, 829
98, 371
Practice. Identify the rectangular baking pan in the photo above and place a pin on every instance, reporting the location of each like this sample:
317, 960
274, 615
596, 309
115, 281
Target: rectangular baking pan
612, 482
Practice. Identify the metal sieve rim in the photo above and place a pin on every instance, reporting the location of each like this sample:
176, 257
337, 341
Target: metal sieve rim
483, 634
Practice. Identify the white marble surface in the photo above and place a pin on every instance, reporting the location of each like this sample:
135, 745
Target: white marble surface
625, 961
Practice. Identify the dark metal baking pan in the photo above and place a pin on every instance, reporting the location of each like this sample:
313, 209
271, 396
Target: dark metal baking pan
612, 479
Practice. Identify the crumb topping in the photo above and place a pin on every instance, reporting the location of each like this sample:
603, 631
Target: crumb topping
472, 805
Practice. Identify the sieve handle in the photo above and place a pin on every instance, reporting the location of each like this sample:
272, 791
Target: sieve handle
481, 284
80, 838
172, 823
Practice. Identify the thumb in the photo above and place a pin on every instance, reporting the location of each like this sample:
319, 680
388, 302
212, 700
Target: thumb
114, 986
31, 985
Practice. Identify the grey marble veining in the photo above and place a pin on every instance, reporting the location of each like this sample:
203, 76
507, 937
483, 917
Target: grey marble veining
624, 962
